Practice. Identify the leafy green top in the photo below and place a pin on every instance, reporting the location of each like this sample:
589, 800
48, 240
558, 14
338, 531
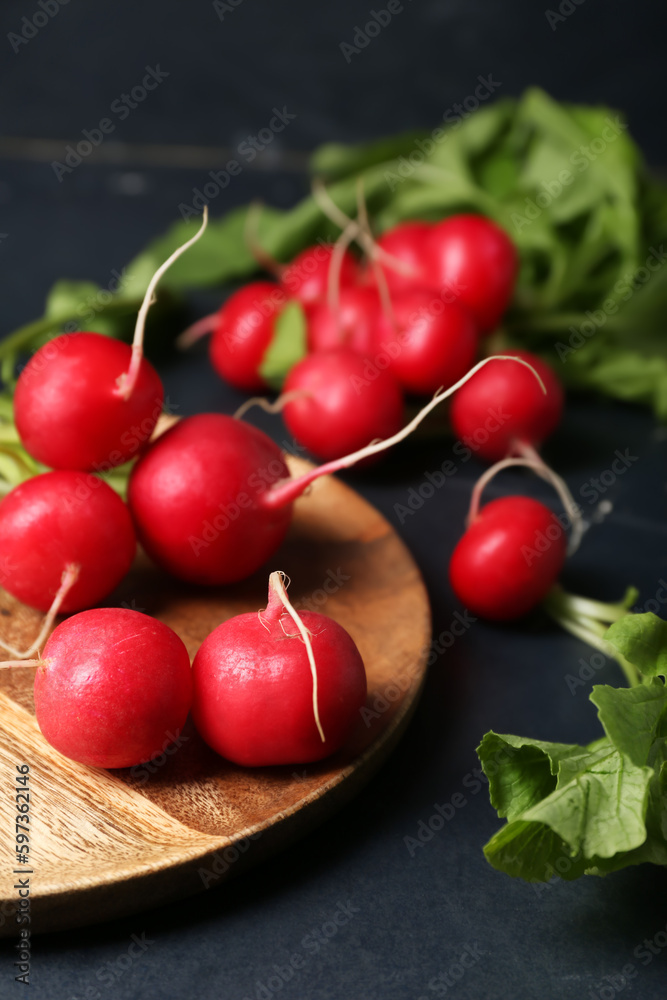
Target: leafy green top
575, 810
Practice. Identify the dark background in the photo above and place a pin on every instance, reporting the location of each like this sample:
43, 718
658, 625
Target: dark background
416, 914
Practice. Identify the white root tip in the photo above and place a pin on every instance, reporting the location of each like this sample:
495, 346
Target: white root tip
278, 583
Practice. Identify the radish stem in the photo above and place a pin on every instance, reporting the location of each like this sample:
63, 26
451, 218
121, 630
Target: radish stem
128, 381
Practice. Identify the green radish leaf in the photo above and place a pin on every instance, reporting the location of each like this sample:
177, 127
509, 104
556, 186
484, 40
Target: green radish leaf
642, 639
631, 717
337, 161
70, 299
596, 811
287, 346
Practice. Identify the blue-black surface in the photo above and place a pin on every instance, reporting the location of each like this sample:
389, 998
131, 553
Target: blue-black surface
421, 922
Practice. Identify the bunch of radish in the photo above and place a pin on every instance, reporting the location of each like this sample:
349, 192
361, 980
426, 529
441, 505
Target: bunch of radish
410, 320
211, 500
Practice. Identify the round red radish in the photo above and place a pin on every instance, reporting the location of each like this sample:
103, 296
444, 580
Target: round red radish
348, 402
431, 343
475, 260
113, 687
69, 412
60, 519
503, 406
306, 278
196, 499
243, 331
253, 687
508, 559
355, 324
408, 243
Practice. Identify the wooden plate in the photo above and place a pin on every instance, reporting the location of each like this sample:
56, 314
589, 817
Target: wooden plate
108, 843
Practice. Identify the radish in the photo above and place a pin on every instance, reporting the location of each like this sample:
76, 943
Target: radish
502, 409
242, 330
345, 403
407, 243
508, 559
431, 343
196, 497
211, 498
85, 401
276, 687
62, 519
307, 276
353, 322
474, 259
112, 688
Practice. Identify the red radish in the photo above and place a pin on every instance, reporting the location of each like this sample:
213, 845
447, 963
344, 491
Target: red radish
307, 276
274, 687
196, 499
211, 498
354, 324
408, 243
61, 519
242, 331
502, 408
68, 411
347, 402
85, 401
112, 688
475, 260
431, 343
508, 559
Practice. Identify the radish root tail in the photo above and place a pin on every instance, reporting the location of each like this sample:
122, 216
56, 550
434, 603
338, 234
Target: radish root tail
268, 407
69, 578
278, 583
128, 381
289, 489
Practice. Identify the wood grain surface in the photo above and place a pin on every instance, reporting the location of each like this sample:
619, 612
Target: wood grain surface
109, 843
